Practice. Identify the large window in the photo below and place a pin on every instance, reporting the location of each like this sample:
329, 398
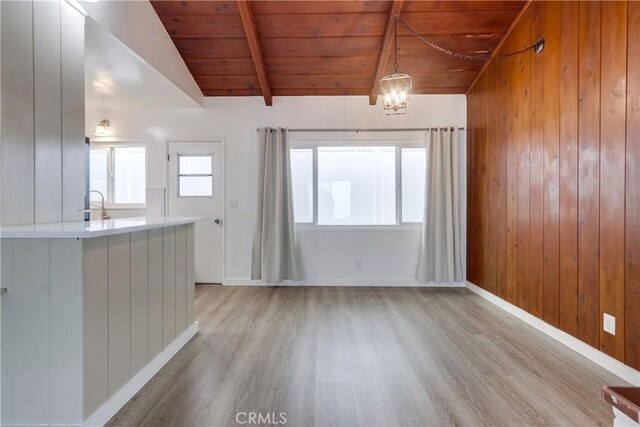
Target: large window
358, 185
119, 173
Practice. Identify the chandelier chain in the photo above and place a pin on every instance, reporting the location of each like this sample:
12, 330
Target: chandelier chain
456, 54
395, 45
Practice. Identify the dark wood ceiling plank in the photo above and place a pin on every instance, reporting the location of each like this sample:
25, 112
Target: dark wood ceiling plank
220, 26
195, 8
385, 49
326, 91
251, 33
228, 82
315, 7
459, 22
451, 6
213, 48
321, 46
221, 66
321, 25
232, 92
320, 65
411, 64
321, 81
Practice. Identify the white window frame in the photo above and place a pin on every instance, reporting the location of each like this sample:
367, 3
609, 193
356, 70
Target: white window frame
398, 144
195, 175
110, 196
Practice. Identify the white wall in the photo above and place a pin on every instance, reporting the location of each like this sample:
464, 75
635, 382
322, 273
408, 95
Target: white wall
388, 256
138, 26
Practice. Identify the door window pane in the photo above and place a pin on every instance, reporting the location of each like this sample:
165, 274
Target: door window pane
356, 185
302, 183
195, 175
198, 186
413, 179
98, 173
195, 165
129, 175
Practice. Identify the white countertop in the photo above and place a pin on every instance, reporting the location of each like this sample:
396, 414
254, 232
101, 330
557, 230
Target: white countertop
88, 229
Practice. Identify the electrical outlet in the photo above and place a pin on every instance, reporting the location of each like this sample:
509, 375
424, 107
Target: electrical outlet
155, 211
233, 204
609, 324
358, 264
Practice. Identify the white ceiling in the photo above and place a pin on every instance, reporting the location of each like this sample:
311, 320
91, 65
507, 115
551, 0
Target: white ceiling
117, 78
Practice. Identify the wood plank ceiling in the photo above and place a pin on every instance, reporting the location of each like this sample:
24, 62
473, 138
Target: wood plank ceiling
285, 48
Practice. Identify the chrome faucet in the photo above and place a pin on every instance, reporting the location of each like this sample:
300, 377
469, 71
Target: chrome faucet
103, 213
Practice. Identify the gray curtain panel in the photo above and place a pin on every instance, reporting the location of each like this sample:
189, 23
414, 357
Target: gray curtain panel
275, 254
441, 247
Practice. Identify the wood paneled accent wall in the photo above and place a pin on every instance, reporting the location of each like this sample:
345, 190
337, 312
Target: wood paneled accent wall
554, 172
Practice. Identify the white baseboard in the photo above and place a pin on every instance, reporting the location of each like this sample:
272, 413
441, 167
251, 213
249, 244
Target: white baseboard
346, 282
614, 366
135, 384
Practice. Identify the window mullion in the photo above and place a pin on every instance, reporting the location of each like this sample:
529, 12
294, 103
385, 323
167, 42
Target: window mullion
111, 181
398, 185
315, 184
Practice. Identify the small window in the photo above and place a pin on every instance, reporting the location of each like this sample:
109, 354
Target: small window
119, 174
195, 175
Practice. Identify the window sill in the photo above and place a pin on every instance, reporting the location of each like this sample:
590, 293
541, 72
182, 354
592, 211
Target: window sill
118, 208
391, 227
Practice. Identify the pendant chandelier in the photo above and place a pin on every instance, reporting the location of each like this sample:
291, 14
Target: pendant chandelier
396, 87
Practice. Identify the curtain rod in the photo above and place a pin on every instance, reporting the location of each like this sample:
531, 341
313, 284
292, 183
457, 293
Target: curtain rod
357, 130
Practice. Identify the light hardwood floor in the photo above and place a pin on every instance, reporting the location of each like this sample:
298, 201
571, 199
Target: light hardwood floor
367, 357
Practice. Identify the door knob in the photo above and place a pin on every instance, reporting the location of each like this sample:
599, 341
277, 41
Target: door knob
218, 221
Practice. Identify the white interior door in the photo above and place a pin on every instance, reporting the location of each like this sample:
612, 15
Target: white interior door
195, 188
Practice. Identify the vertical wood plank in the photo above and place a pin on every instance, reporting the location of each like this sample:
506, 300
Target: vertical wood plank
155, 292
66, 332
551, 201
17, 133
612, 172
490, 180
119, 311
168, 285
523, 123
7, 345
589, 172
501, 180
30, 298
96, 323
568, 254
72, 101
632, 217
139, 301
536, 167
181, 279
47, 111
191, 289
512, 180
471, 195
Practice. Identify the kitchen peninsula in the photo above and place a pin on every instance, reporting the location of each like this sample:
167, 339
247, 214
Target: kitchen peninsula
92, 311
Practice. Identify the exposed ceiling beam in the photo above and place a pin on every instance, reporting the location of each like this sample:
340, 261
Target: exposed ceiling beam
385, 50
246, 15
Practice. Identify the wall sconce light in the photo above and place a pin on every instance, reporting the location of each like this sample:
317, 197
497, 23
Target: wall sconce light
103, 128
